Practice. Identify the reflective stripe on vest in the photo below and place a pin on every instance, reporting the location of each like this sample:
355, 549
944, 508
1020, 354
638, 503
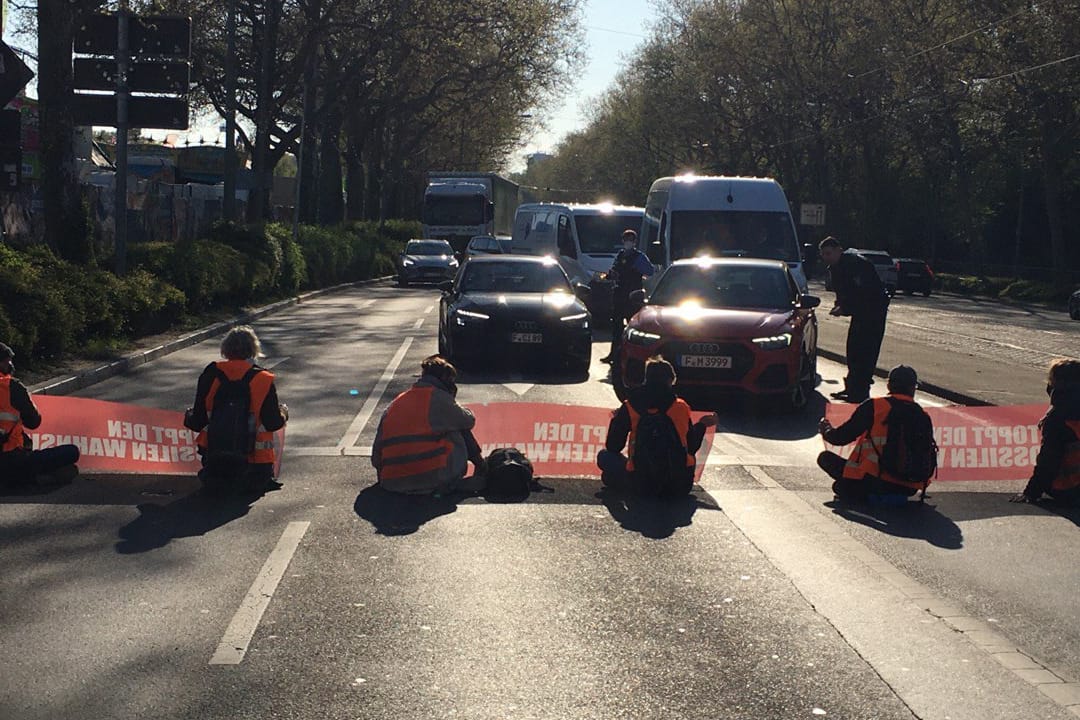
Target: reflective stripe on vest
10, 419
864, 459
409, 447
679, 412
1068, 477
260, 388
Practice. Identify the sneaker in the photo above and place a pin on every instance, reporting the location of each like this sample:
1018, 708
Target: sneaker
839, 395
607, 359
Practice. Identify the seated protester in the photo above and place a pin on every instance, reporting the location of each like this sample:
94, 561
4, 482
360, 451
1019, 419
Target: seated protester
425, 439
1057, 467
861, 477
19, 462
236, 414
655, 427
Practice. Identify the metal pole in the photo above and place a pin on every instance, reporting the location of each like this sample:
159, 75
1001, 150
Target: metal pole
229, 201
120, 184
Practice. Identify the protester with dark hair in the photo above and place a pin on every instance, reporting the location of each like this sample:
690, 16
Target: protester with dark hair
860, 476
860, 295
1057, 467
19, 462
425, 439
253, 469
627, 274
654, 397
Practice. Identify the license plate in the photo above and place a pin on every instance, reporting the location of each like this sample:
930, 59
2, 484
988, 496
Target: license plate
527, 337
706, 361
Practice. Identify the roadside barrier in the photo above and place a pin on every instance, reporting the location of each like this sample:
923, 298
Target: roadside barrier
976, 443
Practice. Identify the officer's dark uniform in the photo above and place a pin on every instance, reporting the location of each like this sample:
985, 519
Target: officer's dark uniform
627, 274
862, 296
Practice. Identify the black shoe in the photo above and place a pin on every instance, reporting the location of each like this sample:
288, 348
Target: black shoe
839, 395
607, 359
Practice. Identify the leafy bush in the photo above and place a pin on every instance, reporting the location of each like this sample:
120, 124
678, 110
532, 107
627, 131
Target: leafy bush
996, 287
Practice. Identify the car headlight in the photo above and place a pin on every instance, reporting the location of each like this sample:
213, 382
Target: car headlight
640, 337
579, 320
776, 342
466, 316
407, 262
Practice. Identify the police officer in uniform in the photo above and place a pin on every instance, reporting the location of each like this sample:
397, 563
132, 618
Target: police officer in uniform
861, 296
627, 273
19, 462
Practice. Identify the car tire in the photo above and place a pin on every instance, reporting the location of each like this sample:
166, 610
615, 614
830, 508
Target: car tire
402, 282
579, 366
909, 292
1074, 313
926, 293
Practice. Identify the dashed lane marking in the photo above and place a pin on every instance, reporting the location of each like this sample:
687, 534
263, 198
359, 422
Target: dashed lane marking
234, 644
362, 417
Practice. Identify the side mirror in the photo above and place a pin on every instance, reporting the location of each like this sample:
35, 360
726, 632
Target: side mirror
582, 290
806, 302
446, 285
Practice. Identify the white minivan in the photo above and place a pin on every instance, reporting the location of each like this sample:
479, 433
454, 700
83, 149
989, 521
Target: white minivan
696, 215
584, 238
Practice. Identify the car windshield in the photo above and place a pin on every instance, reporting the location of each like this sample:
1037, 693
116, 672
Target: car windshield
720, 232
912, 265
724, 286
514, 277
428, 247
603, 233
878, 258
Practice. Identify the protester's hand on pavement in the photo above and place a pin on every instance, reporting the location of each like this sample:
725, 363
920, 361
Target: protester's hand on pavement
836, 311
711, 420
1021, 498
284, 411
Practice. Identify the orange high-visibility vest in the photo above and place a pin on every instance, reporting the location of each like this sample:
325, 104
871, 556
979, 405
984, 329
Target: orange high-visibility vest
10, 418
260, 387
679, 412
864, 459
1068, 476
409, 446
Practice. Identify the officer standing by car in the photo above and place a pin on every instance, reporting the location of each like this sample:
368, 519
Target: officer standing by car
628, 274
861, 296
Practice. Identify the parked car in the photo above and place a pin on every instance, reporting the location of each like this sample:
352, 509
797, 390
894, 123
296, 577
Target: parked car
516, 307
487, 245
885, 266
1074, 305
914, 276
728, 324
429, 261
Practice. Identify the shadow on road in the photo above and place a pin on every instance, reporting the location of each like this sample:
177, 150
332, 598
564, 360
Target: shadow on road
654, 518
919, 521
396, 514
190, 516
984, 505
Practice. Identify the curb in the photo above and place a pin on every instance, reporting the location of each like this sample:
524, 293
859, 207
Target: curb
944, 393
67, 384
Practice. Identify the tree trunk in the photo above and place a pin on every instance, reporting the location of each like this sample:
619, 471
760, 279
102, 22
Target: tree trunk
355, 182
331, 202
259, 207
1054, 189
66, 226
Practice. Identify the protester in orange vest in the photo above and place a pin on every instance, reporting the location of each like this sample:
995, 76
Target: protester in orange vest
244, 459
859, 476
655, 396
19, 462
1057, 467
425, 439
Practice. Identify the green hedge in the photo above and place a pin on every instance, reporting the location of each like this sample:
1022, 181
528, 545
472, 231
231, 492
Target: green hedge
999, 287
50, 308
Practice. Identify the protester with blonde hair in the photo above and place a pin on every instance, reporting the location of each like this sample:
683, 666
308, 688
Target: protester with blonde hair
1057, 467
236, 413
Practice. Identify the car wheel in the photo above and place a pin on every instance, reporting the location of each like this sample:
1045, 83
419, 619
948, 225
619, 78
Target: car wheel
909, 292
579, 366
926, 293
1074, 312
402, 282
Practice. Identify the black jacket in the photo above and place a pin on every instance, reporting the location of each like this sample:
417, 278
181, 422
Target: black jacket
270, 415
1056, 436
645, 399
858, 288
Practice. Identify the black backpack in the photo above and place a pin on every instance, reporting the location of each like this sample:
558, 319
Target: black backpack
910, 451
509, 474
230, 433
659, 456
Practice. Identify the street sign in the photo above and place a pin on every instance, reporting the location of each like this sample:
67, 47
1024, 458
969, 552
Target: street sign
153, 36
812, 214
143, 76
13, 74
164, 113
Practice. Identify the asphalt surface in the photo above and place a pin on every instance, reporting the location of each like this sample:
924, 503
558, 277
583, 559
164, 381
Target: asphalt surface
754, 598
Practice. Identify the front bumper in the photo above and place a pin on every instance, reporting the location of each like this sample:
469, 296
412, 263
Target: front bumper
749, 369
490, 338
426, 273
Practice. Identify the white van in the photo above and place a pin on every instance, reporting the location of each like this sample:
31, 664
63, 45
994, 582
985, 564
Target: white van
584, 238
695, 215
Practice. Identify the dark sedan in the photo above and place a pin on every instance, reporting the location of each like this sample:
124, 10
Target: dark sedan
516, 306
430, 261
727, 324
914, 276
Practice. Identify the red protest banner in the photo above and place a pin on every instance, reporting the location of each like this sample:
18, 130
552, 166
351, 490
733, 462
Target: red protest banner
119, 438
560, 440
976, 443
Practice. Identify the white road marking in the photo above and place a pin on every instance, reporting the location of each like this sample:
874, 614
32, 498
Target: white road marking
274, 364
519, 388
234, 644
428, 309
361, 419
326, 451
418, 323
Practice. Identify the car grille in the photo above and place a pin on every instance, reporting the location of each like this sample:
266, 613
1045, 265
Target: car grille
742, 360
526, 326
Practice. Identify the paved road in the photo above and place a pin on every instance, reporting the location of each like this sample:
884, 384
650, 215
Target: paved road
129, 597
996, 352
